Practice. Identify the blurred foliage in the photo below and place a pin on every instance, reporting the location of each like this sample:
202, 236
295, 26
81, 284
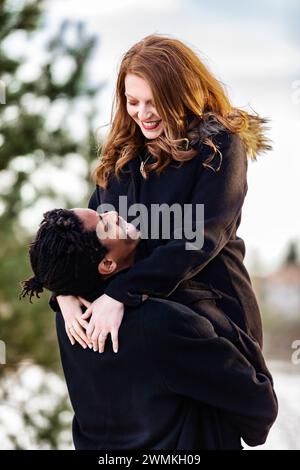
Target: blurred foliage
38, 417
292, 256
28, 329
29, 144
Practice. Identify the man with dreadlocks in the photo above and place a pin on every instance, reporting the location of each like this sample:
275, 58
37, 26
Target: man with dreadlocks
68, 260
175, 383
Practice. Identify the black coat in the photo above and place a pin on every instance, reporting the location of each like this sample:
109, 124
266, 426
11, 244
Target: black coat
174, 384
215, 284
164, 267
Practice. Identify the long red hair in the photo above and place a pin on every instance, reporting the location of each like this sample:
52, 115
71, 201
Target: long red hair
191, 102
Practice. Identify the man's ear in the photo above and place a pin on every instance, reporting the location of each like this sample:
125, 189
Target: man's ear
107, 266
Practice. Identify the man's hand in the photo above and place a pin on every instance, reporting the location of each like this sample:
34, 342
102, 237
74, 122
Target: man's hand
106, 317
74, 323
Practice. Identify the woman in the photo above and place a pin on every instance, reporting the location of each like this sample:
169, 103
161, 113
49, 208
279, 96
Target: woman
175, 138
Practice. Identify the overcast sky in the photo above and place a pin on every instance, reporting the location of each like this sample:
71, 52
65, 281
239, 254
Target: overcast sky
254, 49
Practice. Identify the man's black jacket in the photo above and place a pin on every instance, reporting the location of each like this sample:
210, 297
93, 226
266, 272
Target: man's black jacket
212, 281
174, 384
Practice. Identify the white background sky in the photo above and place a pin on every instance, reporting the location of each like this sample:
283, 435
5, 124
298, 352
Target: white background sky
254, 49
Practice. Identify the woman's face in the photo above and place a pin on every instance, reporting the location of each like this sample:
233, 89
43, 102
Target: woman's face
140, 106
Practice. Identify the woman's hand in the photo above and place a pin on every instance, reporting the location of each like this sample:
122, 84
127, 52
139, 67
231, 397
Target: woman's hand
106, 317
74, 323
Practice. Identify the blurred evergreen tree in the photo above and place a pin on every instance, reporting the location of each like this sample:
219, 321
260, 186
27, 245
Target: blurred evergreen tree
31, 144
42, 87
292, 255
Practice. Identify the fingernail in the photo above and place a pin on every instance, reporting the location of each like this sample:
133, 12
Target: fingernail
84, 346
100, 352
94, 349
115, 350
90, 346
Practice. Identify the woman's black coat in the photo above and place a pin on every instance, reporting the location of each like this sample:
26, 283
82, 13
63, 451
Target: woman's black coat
164, 268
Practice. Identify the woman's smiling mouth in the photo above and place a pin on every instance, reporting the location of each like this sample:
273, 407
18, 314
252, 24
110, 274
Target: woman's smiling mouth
151, 125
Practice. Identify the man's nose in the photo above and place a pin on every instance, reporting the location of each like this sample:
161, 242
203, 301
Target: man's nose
113, 215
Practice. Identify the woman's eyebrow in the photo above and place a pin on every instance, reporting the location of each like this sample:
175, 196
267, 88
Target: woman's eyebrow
130, 96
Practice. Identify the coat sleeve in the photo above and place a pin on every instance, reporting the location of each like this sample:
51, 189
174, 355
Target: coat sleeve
194, 362
53, 303
94, 199
222, 193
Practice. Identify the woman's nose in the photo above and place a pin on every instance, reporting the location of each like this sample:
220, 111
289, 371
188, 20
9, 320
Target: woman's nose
144, 114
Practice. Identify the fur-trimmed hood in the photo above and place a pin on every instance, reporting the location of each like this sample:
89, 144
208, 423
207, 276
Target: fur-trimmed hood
253, 134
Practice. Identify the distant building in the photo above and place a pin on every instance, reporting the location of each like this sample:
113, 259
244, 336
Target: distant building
280, 291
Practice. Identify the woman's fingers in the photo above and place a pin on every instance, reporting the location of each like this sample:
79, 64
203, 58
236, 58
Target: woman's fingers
88, 312
81, 333
82, 322
101, 340
92, 337
114, 339
84, 302
95, 340
72, 341
90, 330
77, 337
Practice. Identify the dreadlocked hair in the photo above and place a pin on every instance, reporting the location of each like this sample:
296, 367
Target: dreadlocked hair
31, 287
64, 256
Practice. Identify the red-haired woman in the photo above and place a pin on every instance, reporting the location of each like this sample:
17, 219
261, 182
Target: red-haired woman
175, 138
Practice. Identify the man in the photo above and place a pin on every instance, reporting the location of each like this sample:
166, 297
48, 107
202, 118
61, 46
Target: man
175, 383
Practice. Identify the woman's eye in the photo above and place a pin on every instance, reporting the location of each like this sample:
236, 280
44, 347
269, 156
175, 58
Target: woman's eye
132, 104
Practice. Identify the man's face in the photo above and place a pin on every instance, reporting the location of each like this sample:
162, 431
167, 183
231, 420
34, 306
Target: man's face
118, 236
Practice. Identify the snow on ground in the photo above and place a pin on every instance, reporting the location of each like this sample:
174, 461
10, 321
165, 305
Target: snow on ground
285, 433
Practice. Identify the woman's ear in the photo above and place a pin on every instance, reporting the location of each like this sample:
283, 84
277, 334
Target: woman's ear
107, 266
